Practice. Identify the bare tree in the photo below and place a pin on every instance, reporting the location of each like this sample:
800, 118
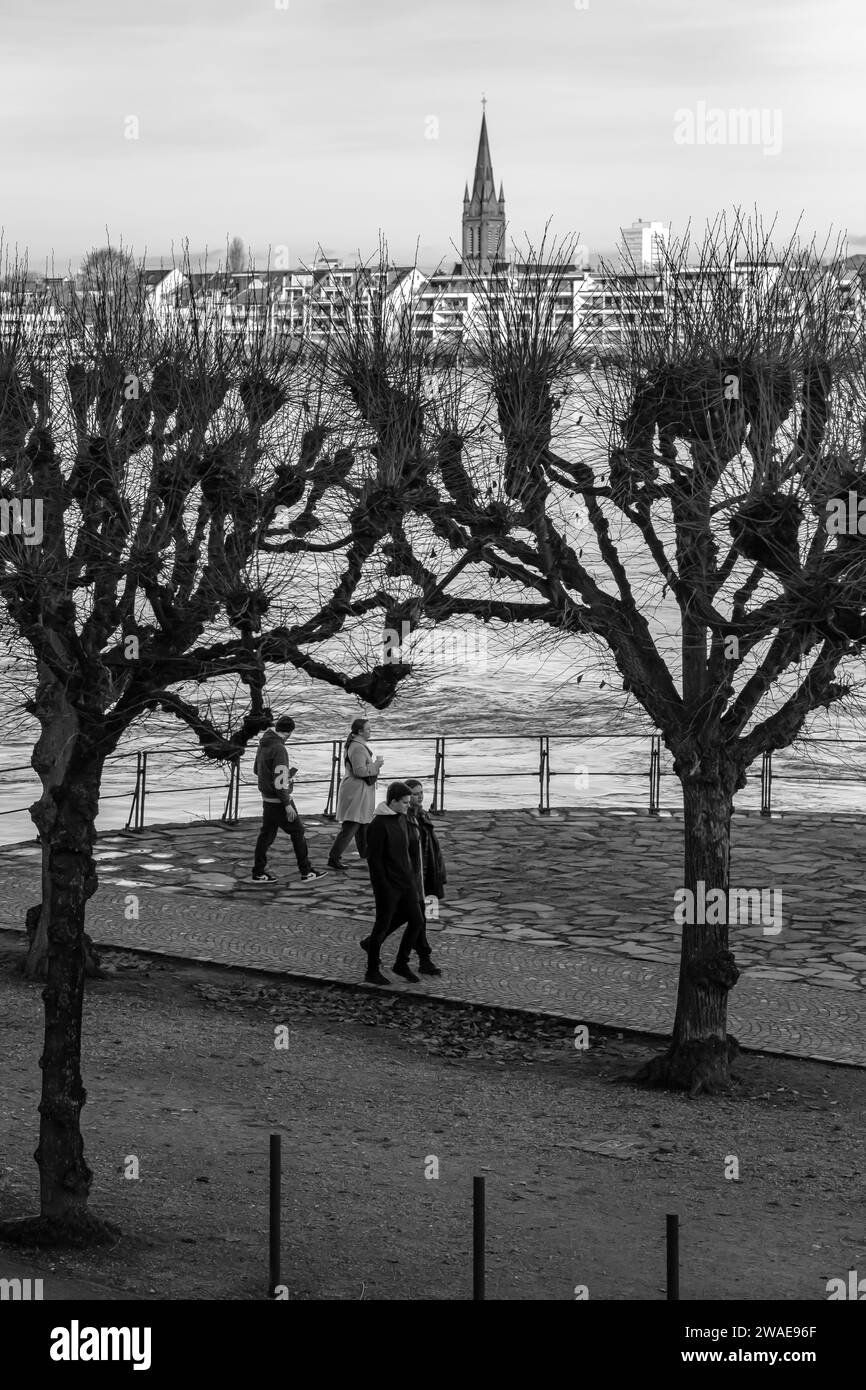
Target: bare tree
236, 256
107, 269
154, 468
703, 465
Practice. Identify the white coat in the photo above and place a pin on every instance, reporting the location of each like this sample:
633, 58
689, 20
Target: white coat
356, 799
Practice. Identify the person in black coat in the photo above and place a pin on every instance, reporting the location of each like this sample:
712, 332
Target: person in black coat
433, 873
395, 885
429, 865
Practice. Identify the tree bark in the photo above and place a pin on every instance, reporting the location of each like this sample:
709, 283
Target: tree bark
52, 759
71, 771
701, 1049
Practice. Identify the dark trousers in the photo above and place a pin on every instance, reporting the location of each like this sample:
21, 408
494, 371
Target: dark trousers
274, 818
422, 945
347, 830
389, 917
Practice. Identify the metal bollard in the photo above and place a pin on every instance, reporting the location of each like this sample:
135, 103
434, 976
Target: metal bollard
274, 1232
673, 1256
478, 1238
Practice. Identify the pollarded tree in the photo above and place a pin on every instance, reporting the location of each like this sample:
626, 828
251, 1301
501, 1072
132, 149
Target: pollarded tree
704, 461
147, 472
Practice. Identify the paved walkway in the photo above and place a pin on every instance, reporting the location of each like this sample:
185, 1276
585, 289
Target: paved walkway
569, 914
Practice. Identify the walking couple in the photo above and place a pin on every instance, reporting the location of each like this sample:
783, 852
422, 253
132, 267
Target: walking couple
406, 868
404, 860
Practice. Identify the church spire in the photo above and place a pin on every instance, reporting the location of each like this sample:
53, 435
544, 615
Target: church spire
482, 185
483, 213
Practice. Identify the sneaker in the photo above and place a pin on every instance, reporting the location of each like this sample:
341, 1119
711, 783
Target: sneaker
375, 977
426, 967
311, 876
264, 878
405, 973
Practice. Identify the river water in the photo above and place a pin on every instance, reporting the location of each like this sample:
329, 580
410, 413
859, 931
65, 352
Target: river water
492, 692
492, 707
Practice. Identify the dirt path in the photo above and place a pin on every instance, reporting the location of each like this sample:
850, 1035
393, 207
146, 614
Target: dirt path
182, 1074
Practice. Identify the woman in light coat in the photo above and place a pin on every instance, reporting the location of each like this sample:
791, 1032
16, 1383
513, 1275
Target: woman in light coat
356, 799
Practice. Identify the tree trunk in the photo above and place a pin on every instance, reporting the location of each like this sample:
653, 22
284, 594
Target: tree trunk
700, 1050
52, 758
66, 817
37, 921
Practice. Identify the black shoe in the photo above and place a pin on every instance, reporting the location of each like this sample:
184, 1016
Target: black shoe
365, 944
374, 976
311, 876
405, 972
426, 967
340, 868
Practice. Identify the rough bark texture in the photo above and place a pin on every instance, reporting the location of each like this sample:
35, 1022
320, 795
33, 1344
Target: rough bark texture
701, 1048
65, 815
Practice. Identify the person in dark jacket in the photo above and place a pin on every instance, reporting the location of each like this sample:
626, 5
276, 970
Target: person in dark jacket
395, 885
428, 866
279, 812
426, 854
432, 863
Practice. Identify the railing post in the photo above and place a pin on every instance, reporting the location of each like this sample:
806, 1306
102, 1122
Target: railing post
330, 811
437, 806
136, 810
133, 810
230, 814
655, 774
767, 784
143, 790
544, 775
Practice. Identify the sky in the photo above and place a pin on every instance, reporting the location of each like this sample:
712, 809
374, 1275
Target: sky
304, 123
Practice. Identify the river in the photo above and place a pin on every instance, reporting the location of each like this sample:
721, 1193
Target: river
491, 691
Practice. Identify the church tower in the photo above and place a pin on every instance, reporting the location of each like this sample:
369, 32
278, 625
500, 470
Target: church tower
483, 212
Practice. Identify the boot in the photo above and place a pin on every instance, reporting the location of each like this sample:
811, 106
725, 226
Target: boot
373, 974
402, 968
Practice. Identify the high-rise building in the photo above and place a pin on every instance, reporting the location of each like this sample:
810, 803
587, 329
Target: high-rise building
483, 212
644, 244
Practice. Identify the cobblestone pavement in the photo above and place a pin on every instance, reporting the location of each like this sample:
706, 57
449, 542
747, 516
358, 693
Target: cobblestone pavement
570, 914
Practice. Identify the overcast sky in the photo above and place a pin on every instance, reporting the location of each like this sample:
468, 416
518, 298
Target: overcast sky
311, 124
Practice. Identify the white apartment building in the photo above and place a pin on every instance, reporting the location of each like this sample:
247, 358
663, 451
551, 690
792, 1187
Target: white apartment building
644, 245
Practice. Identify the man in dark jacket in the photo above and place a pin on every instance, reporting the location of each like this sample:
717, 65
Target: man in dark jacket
395, 885
275, 779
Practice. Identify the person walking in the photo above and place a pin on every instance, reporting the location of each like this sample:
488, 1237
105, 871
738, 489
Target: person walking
279, 812
428, 866
395, 885
356, 799
426, 855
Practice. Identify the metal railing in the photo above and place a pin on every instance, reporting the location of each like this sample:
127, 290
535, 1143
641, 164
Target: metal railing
544, 773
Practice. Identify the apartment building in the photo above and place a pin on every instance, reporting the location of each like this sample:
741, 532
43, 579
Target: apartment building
643, 246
